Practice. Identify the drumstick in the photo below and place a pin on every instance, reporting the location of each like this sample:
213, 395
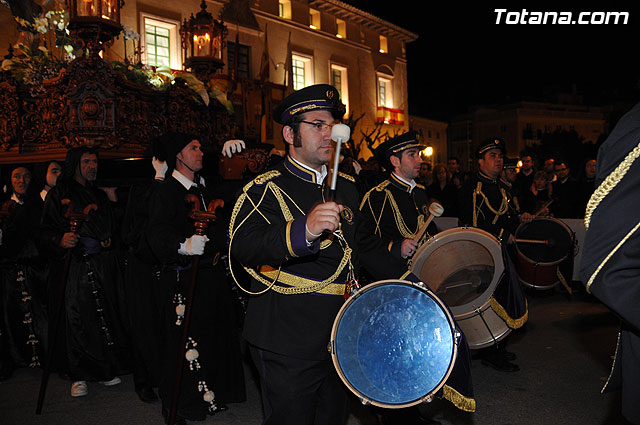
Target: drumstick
340, 133
545, 242
544, 207
435, 210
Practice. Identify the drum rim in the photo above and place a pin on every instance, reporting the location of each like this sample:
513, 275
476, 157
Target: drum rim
464, 309
541, 263
332, 343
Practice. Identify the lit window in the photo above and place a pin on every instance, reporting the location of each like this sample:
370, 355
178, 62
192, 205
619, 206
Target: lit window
385, 93
157, 38
341, 27
314, 19
302, 71
383, 44
284, 9
160, 42
339, 81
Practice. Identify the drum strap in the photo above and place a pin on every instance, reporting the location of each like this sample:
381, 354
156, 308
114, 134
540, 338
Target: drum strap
564, 282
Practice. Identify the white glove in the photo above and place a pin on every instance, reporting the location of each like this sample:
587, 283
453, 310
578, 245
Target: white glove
232, 146
161, 168
193, 245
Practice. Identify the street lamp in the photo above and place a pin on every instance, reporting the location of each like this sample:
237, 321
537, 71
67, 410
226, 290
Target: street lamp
203, 41
94, 23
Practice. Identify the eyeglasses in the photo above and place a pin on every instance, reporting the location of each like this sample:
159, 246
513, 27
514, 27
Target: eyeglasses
319, 126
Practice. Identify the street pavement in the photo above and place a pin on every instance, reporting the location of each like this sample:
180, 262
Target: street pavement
564, 353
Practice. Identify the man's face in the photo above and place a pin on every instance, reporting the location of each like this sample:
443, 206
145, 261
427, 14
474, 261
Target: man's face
408, 165
316, 146
590, 169
549, 165
527, 163
562, 171
453, 165
424, 170
20, 179
53, 172
191, 156
88, 167
510, 174
491, 163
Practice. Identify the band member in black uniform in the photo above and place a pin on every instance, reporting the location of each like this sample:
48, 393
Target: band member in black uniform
212, 374
23, 277
486, 203
392, 213
94, 318
610, 262
395, 209
301, 253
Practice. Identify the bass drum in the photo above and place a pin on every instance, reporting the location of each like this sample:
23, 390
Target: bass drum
463, 266
537, 264
394, 344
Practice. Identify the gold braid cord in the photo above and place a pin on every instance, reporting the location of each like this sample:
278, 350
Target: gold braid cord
610, 182
613, 365
279, 194
461, 402
504, 206
397, 215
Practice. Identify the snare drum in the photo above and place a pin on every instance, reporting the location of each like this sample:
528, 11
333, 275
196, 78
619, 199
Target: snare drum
537, 263
463, 266
394, 344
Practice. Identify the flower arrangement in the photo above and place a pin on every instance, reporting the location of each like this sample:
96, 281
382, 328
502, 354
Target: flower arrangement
45, 49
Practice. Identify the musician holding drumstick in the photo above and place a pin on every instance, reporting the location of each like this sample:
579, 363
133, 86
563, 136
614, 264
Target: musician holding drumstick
487, 203
301, 251
395, 214
395, 210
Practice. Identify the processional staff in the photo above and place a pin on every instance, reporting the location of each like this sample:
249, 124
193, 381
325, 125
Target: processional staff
75, 221
201, 222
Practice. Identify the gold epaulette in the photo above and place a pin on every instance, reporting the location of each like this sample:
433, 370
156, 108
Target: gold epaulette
378, 188
382, 185
347, 176
262, 179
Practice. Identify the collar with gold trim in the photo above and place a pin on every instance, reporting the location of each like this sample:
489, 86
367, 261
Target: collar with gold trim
305, 173
401, 183
483, 176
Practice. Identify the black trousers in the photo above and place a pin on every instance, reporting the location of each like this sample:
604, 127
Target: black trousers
299, 391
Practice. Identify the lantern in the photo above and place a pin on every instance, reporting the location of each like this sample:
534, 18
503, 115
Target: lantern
203, 41
94, 22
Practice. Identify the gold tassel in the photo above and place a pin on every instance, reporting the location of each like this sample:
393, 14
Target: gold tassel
466, 404
511, 322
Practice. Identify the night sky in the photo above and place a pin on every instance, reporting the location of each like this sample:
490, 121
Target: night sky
474, 61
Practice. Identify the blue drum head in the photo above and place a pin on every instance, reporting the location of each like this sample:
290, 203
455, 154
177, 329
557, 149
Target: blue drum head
394, 344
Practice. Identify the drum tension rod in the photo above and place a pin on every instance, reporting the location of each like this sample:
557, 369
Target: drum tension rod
477, 310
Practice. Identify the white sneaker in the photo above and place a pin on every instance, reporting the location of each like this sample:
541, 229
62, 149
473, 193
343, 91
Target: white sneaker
114, 381
79, 389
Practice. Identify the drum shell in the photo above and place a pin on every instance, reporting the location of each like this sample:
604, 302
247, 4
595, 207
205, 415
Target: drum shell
537, 265
344, 358
454, 252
